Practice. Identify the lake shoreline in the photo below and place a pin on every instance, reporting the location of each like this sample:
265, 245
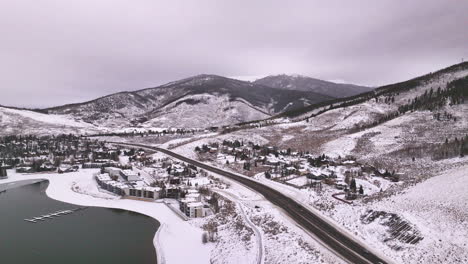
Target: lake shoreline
20, 183
166, 239
94, 233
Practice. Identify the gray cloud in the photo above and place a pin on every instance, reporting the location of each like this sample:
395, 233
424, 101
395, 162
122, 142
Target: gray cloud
54, 52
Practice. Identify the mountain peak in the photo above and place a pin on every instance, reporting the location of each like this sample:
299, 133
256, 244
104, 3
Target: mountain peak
198, 80
293, 75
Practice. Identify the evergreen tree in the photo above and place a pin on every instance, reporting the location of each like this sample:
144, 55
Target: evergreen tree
204, 238
347, 179
214, 202
352, 185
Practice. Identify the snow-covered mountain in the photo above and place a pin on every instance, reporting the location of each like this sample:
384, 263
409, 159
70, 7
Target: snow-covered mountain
200, 101
304, 83
428, 92
413, 118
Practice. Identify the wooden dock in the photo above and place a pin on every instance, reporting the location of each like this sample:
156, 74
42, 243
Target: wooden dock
53, 215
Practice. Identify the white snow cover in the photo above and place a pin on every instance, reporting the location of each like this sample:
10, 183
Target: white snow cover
212, 110
13, 121
188, 150
45, 118
438, 207
291, 245
176, 240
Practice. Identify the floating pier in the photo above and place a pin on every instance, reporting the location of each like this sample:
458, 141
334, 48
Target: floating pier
53, 215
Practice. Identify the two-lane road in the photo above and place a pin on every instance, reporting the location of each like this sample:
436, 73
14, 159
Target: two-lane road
330, 236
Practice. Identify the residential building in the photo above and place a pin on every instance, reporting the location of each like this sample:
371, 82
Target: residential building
129, 175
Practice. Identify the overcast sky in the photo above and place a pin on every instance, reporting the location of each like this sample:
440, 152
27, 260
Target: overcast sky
54, 52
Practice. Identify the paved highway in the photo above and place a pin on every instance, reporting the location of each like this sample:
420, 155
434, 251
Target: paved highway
333, 238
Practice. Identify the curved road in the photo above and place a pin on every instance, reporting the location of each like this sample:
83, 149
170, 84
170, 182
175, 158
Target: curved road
258, 234
334, 239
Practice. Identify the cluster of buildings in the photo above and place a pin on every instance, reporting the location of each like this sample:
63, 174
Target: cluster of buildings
163, 179
62, 153
298, 169
153, 180
113, 180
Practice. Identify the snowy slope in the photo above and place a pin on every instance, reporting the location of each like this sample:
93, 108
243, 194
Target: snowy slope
211, 111
372, 124
401, 93
438, 208
15, 121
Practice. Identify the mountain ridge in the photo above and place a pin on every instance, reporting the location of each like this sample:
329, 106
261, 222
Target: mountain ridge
151, 103
306, 83
224, 102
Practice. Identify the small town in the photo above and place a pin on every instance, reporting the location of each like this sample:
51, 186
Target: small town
127, 173
300, 170
185, 189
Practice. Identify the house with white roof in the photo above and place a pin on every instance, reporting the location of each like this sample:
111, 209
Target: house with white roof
195, 196
129, 175
192, 206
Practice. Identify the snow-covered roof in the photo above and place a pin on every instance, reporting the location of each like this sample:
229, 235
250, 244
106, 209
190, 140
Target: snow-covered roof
152, 189
195, 204
192, 195
117, 184
188, 200
129, 173
103, 177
